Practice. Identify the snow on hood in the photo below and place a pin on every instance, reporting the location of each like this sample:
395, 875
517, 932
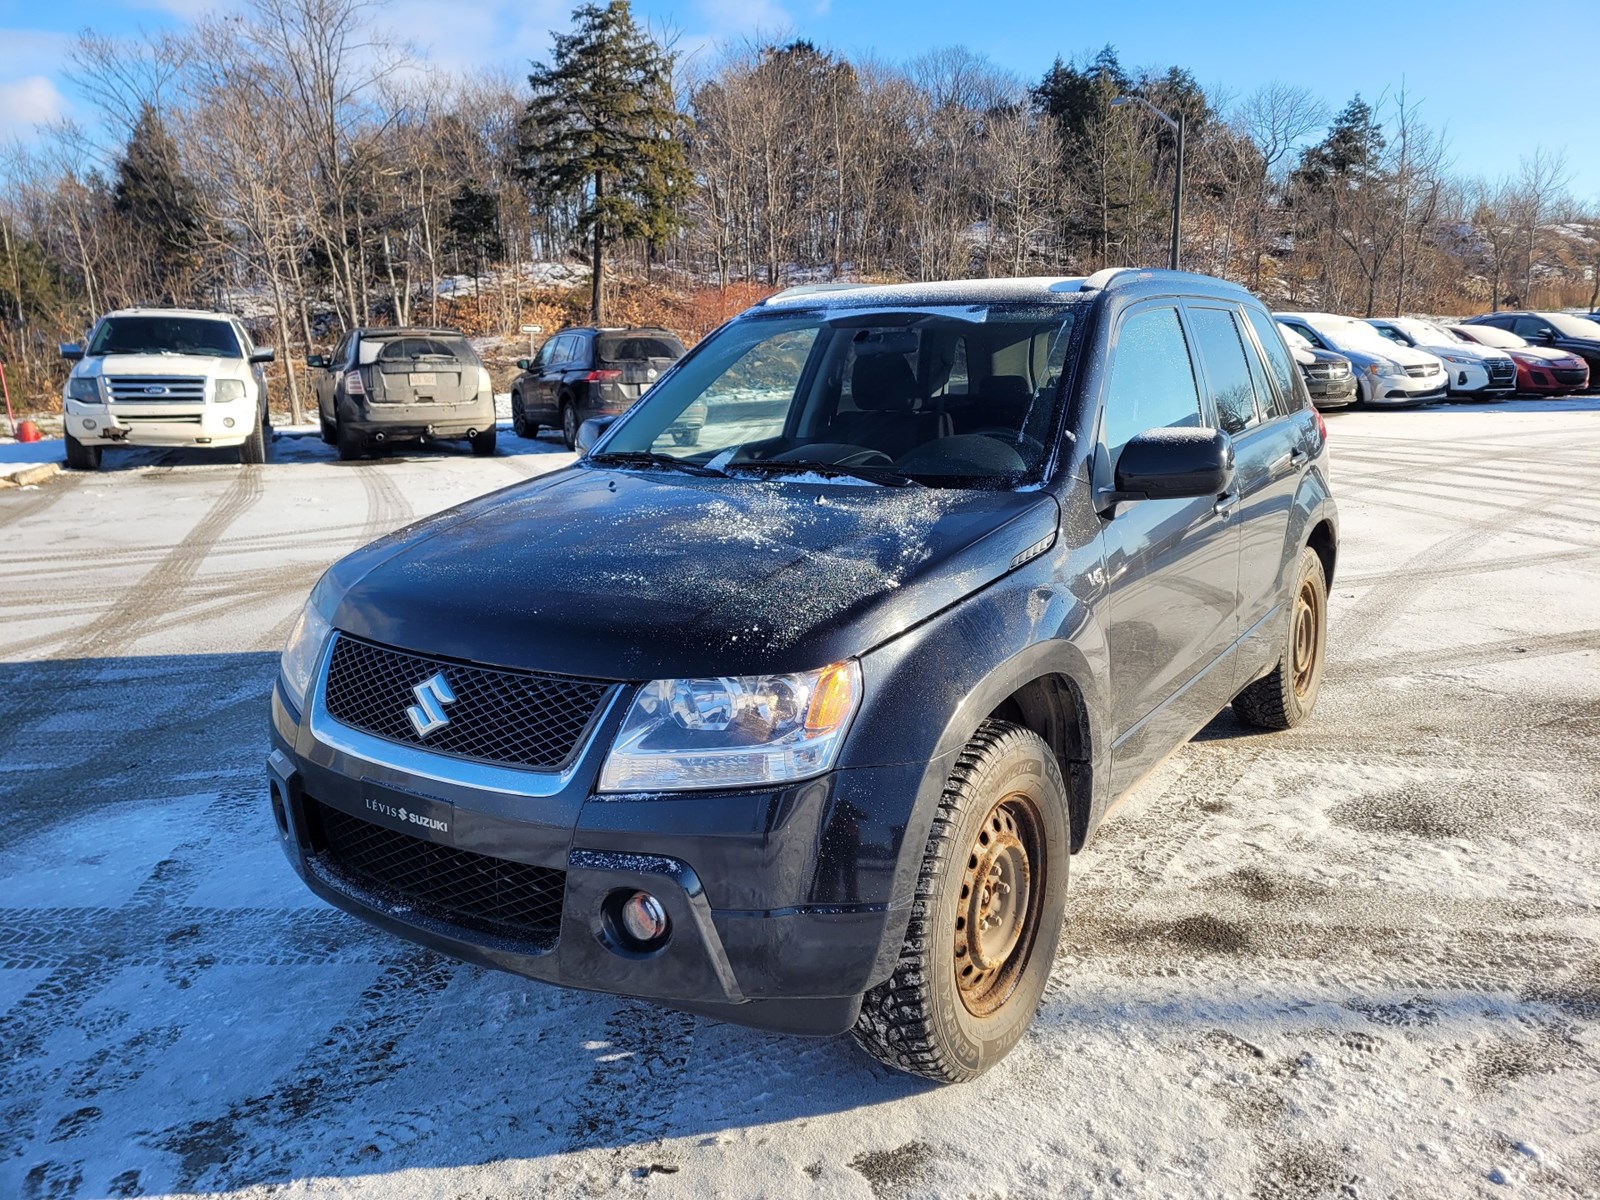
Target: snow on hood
647, 574
160, 364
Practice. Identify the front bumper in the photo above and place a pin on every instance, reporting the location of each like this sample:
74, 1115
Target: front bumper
1332, 393
1398, 390
208, 424
745, 877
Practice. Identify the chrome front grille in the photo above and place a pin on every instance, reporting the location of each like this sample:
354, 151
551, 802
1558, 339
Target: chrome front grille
1423, 371
1502, 372
156, 389
521, 718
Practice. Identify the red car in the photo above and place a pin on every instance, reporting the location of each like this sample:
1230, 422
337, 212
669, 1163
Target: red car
1539, 369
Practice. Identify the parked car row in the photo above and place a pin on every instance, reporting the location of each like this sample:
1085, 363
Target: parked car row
1406, 361
185, 377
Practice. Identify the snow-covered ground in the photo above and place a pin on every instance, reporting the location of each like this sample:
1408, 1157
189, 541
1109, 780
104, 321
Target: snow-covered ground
1360, 959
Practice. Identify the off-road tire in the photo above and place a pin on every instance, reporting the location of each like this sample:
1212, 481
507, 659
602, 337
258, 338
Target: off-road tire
253, 450
569, 424
81, 457
349, 445
483, 444
329, 433
1285, 696
918, 1019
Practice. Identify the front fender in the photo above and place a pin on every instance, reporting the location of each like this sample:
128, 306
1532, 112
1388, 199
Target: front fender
928, 691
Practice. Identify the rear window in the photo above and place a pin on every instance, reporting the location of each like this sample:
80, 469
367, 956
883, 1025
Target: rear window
407, 349
165, 335
638, 347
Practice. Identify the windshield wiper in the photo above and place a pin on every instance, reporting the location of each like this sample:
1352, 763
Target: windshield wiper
797, 466
649, 458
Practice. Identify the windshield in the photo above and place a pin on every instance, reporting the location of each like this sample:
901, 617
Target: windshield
1578, 327
165, 335
1293, 337
1355, 333
1500, 339
951, 399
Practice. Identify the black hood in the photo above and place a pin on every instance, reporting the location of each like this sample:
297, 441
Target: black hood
642, 575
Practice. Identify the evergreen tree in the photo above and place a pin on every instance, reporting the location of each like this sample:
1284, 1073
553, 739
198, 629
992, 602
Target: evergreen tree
602, 125
156, 201
1351, 150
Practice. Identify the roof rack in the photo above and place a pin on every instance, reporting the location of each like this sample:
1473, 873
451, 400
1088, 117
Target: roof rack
810, 289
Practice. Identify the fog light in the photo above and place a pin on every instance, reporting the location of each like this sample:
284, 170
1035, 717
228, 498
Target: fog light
643, 918
227, 422
89, 423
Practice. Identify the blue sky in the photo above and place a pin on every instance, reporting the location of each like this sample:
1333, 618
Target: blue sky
1445, 53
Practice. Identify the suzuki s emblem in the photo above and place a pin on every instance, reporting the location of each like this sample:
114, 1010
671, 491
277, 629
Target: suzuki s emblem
155, 391
432, 694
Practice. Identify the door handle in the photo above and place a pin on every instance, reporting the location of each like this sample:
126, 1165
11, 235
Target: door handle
1298, 459
1225, 503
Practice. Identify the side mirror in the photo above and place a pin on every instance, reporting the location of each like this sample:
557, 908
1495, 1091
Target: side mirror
524, 364
317, 360
263, 356
1546, 334
589, 432
71, 351
1174, 464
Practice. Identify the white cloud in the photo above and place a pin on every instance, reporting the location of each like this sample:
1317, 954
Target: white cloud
464, 36
26, 103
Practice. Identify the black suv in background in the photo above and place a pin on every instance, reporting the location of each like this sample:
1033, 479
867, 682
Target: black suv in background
1553, 331
583, 373
383, 386
800, 727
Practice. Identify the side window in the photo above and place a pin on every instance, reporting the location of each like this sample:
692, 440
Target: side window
1392, 334
958, 384
1152, 380
341, 353
1530, 327
1217, 336
1279, 365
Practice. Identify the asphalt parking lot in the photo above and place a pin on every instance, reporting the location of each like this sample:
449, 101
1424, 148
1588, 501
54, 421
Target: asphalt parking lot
1358, 959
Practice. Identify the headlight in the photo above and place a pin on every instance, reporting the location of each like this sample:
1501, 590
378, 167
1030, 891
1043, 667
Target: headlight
229, 390
299, 662
1459, 359
748, 731
85, 388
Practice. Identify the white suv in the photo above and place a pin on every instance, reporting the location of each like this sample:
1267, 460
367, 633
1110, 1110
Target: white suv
165, 377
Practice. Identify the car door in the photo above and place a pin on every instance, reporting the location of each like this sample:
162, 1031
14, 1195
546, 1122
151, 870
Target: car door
1271, 457
1171, 565
540, 396
327, 381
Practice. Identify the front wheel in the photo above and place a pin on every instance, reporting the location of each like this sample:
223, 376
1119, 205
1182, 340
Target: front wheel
986, 917
253, 450
1285, 696
82, 457
520, 425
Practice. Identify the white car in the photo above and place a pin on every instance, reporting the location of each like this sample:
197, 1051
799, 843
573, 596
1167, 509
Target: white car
1474, 371
1386, 374
165, 377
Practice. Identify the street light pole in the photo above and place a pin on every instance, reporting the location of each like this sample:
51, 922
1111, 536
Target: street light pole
1180, 128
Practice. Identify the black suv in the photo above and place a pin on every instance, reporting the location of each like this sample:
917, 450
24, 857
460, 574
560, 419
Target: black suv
800, 728
1553, 331
584, 373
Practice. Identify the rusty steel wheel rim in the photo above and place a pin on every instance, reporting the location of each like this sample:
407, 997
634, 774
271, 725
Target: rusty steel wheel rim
1307, 636
998, 910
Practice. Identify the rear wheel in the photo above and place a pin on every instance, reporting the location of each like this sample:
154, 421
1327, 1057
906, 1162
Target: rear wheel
483, 443
81, 457
1286, 695
349, 444
986, 917
569, 424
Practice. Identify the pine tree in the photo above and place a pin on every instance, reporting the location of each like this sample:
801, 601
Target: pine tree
157, 202
602, 125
